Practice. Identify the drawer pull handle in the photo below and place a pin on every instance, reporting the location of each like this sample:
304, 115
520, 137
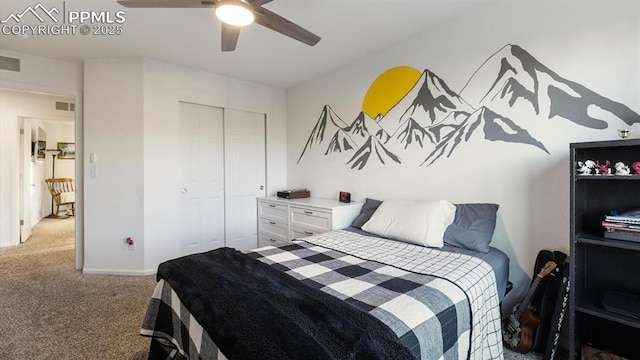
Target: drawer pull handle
308, 232
271, 205
272, 222
270, 239
308, 212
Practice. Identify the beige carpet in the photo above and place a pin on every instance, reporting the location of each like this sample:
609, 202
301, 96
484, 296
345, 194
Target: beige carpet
49, 310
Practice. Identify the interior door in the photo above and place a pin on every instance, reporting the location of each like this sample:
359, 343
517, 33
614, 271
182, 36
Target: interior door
245, 175
202, 188
36, 185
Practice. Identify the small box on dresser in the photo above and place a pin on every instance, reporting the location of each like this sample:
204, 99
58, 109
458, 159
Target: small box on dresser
281, 220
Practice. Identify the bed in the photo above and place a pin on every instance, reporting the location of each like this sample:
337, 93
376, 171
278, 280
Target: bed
343, 294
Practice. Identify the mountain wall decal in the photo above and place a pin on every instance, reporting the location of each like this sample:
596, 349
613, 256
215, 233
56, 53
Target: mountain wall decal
413, 133
429, 102
328, 123
509, 91
372, 150
340, 142
494, 128
522, 78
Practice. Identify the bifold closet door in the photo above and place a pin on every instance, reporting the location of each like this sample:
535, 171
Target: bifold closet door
202, 188
245, 175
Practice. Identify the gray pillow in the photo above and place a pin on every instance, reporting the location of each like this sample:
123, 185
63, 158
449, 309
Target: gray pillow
370, 206
473, 227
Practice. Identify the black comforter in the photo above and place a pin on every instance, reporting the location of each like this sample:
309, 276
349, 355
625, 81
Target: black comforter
253, 311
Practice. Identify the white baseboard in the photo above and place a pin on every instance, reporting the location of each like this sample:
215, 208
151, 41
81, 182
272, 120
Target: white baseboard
9, 244
118, 272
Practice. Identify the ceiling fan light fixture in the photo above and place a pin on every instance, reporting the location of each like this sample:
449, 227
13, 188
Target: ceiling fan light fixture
234, 12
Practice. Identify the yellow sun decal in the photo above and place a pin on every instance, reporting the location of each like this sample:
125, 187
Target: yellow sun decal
388, 88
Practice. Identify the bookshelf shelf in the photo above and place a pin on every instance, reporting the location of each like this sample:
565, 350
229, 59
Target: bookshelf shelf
608, 177
601, 241
590, 304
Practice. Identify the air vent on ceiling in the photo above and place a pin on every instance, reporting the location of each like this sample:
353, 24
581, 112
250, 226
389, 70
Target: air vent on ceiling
11, 64
65, 106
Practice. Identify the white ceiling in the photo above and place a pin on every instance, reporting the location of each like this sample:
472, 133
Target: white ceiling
350, 29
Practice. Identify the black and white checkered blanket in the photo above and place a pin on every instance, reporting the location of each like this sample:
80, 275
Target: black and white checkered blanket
440, 304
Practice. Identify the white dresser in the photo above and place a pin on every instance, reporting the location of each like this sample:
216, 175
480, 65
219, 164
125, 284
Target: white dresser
280, 220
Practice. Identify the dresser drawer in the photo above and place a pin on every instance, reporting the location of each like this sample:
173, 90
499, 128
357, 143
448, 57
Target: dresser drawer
298, 233
272, 211
312, 220
274, 229
270, 241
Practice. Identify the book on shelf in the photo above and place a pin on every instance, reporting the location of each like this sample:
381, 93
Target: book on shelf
623, 230
627, 217
622, 235
619, 225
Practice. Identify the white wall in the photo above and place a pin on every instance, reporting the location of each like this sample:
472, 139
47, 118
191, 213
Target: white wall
131, 123
531, 186
60, 131
37, 75
113, 131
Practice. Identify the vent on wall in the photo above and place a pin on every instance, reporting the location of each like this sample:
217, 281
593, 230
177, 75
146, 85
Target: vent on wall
11, 64
65, 106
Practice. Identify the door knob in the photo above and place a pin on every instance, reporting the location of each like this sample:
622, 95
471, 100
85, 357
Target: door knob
183, 191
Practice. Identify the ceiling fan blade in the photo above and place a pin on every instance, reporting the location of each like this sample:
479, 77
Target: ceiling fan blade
167, 3
257, 3
230, 35
277, 23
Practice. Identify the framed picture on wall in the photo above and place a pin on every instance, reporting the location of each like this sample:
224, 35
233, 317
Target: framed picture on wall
67, 150
37, 150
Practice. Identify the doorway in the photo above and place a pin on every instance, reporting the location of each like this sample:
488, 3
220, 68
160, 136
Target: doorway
43, 122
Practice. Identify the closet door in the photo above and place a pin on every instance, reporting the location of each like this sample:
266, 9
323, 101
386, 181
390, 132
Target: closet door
202, 188
245, 174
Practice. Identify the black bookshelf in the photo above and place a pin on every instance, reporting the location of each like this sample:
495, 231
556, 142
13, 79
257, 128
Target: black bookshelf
600, 264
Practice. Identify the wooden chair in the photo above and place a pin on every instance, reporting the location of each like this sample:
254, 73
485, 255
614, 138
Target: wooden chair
63, 193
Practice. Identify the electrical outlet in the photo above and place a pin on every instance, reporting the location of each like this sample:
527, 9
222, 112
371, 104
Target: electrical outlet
131, 245
93, 171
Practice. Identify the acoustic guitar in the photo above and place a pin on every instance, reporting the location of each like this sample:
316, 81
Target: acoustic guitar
519, 328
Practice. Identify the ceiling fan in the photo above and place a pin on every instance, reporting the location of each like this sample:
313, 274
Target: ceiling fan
234, 14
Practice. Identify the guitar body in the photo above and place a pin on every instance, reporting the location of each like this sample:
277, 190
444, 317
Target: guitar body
519, 330
529, 322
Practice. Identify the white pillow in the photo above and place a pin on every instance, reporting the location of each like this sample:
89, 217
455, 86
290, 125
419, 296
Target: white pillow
418, 222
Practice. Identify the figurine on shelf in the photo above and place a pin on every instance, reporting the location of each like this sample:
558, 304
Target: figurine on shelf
636, 167
603, 169
585, 168
624, 133
622, 169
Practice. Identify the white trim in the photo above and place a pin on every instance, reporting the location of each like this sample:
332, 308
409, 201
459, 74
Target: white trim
119, 272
